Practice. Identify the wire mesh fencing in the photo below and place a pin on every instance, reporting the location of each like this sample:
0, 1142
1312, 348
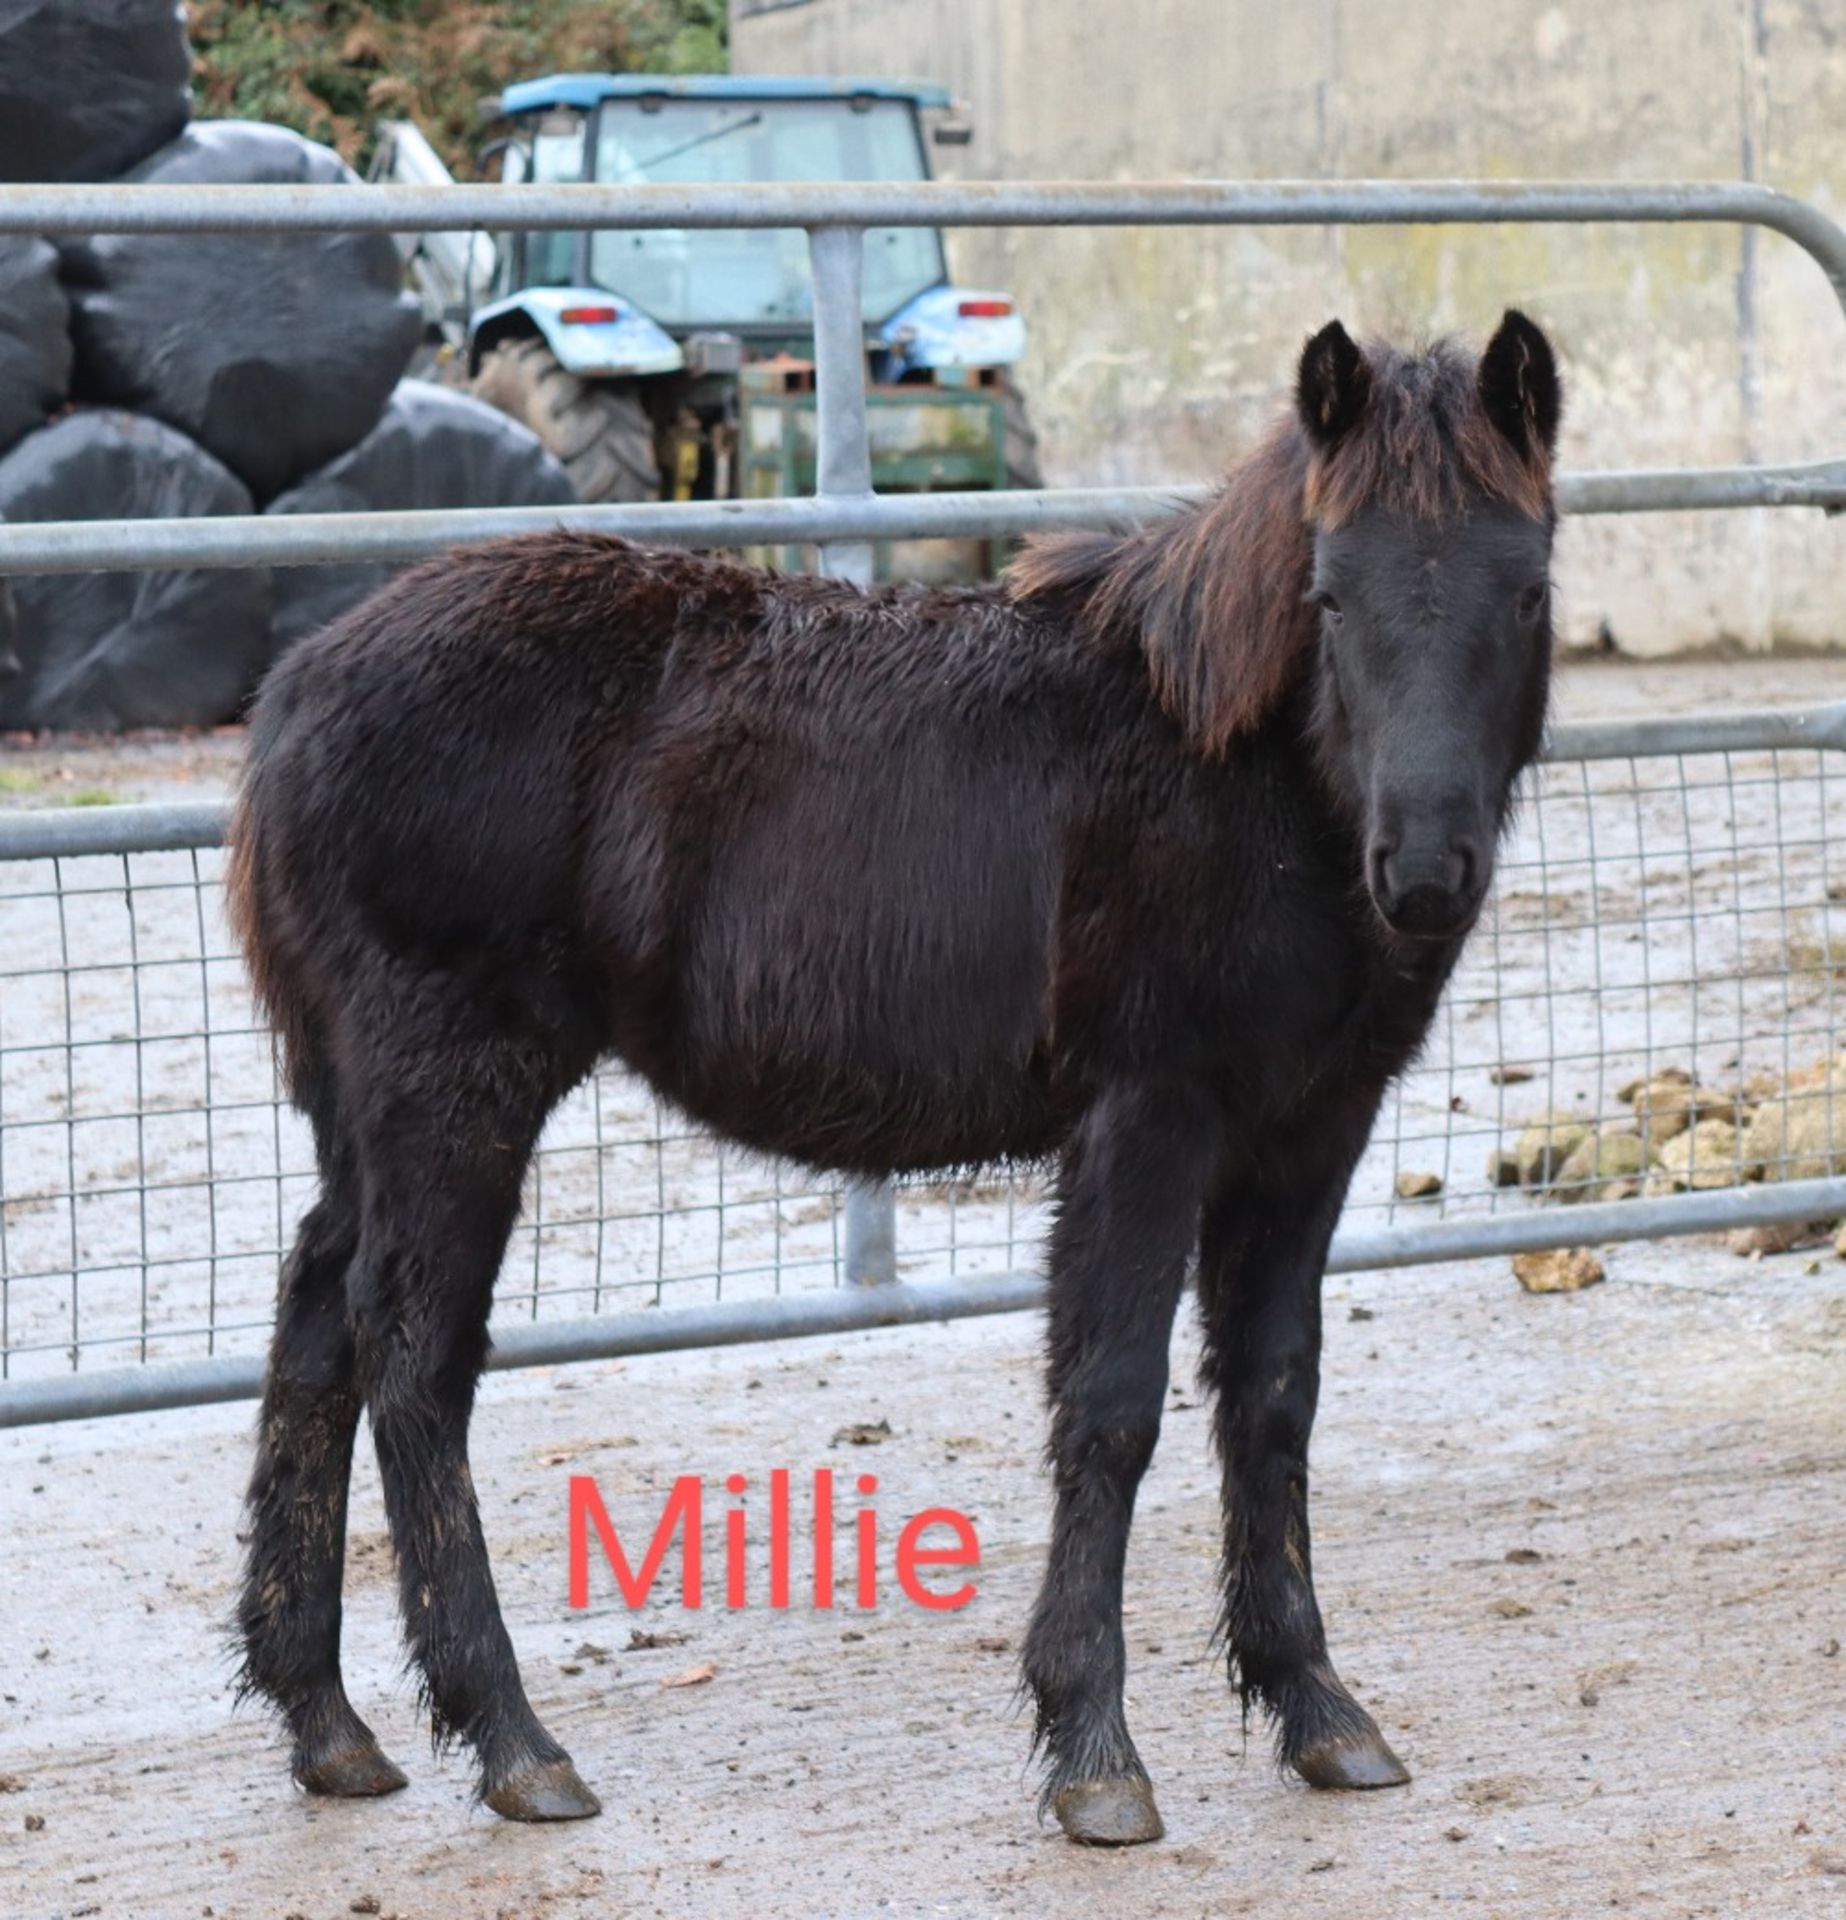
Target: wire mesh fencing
1660, 915
152, 1172
1649, 1008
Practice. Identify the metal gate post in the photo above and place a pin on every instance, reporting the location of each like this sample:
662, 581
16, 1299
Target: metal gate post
843, 471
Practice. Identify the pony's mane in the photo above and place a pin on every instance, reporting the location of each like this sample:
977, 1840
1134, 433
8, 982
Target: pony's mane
1217, 593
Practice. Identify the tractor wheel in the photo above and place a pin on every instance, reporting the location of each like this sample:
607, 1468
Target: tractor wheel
598, 429
1022, 468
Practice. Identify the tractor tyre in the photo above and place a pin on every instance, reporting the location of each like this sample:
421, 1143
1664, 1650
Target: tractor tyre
1022, 468
598, 430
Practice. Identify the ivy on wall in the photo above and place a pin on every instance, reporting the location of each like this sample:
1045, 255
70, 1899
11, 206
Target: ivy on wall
333, 68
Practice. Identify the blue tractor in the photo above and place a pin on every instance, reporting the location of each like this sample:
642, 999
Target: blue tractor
677, 364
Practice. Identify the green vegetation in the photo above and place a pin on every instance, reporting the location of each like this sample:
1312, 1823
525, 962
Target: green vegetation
35, 781
332, 68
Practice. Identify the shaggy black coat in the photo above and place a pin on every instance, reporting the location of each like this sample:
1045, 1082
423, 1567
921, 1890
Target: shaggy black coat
1087, 865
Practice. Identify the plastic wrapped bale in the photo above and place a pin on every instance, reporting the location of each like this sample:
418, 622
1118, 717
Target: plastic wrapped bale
35, 348
433, 448
276, 352
89, 88
103, 651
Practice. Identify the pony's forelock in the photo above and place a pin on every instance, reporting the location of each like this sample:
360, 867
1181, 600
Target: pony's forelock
1424, 446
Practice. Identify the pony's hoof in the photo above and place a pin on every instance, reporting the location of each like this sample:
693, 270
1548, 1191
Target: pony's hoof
550, 1792
354, 1773
1108, 1813
1353, 1764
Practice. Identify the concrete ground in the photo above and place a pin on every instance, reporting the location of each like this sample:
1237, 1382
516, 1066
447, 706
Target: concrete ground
1581, 1555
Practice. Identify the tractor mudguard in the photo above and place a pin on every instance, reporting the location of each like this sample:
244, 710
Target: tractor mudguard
955, 327
595, 348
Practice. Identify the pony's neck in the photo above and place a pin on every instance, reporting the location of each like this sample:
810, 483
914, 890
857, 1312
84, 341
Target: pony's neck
1233, 630
1216, 595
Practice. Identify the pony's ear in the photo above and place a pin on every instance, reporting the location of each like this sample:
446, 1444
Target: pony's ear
1519, 387
1332, 386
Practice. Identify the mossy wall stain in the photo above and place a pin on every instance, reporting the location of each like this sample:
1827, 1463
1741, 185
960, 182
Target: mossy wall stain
1157, 354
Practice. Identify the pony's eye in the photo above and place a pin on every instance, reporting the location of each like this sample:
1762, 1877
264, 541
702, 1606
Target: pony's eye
1531, 603
1328, 605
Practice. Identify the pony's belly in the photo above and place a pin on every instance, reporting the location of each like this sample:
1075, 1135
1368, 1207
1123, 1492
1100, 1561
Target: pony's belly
849, 1074
846, 1124
844, 959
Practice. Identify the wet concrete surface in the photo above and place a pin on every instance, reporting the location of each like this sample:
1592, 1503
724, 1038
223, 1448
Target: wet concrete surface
1581, 1557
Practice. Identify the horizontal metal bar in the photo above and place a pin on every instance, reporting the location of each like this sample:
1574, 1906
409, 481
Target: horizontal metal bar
327, 539
1771, 1203
1761, 731
788, 1316
113, 208
54, 833
165, 826
1808, 483
82, 1396
149, 1389
316, 539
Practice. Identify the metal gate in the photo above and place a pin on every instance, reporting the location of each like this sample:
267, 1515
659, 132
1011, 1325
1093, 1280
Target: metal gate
1667, 904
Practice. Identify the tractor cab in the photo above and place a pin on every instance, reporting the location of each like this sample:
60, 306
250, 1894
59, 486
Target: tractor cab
639, 130
678, 363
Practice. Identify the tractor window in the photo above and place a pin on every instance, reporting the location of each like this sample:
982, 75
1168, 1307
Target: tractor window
755, 279
557, 154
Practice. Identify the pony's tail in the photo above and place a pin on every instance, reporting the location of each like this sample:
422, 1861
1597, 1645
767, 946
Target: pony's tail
250, 910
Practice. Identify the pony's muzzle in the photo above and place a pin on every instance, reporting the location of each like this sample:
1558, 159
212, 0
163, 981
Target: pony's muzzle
1428, 892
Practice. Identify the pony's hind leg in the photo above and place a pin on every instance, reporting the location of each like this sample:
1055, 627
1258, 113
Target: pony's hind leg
1128, 1212
1262, 1251
444, 1139
289, 1613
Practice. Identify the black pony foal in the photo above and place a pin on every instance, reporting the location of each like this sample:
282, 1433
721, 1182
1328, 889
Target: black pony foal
1155, 859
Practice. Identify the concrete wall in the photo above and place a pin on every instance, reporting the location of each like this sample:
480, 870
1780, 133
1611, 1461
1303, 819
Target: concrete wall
1156, 354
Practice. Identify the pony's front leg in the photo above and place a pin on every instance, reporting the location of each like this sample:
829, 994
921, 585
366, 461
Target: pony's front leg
1263, 1245
1128, 1209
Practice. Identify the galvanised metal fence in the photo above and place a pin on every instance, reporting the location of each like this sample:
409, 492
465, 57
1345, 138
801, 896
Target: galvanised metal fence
1666, 908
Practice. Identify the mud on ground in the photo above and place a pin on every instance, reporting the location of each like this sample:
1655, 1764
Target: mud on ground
1581, 1555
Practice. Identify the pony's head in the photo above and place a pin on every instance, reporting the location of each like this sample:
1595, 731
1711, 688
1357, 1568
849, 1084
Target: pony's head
1380, 563
1428, 497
